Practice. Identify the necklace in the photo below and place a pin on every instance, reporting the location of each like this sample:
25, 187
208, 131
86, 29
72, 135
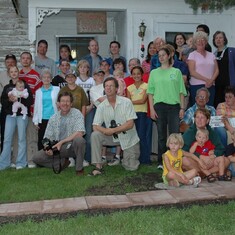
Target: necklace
222, 54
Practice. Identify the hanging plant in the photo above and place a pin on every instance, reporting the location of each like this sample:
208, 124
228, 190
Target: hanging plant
210, 5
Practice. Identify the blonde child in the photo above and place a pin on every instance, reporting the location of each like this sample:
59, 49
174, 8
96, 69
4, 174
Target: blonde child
202, 145
173, 174
19, 92
119, 75
204, 148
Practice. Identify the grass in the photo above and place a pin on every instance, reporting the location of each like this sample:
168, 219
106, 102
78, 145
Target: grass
195, 220
41, 183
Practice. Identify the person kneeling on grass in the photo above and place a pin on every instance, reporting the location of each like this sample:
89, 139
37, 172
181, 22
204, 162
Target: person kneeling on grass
66, 127
173, 174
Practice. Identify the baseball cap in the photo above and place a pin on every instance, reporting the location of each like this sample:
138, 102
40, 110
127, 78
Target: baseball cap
106, 60
69, 72
98, 71
10, 56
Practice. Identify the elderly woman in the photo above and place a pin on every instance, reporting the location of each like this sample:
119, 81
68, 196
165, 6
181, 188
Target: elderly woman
203, 67
226, 110
206, 165
45, 104
225, 57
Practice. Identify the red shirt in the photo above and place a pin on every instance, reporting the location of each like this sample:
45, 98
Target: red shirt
32, 78
205, 149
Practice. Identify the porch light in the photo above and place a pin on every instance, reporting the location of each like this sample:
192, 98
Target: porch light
142, 30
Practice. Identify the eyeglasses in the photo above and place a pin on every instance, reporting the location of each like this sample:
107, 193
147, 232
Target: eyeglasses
201, 97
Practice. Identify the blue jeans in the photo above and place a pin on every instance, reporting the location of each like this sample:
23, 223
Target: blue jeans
168, 116
232, 168
140, 124
221, 131
193, 91
89, 128
10, 126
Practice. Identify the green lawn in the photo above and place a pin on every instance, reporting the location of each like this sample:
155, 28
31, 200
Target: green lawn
40, 183
196, 220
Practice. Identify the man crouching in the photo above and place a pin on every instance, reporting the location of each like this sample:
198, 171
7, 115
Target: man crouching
66, 127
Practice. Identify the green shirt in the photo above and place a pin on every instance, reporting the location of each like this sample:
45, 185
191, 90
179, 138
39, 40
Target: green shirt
79, 97
166, 85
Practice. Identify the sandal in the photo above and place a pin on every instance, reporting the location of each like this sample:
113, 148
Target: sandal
224, 178
96, 171
211, 178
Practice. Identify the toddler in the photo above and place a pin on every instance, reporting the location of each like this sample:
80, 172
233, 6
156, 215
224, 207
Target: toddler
119, 75
204, 148
20, 92
173, 174
202, 145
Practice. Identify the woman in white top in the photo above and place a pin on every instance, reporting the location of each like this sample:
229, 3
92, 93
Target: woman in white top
45, 105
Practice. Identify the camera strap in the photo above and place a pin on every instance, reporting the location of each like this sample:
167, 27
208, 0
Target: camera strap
53, 165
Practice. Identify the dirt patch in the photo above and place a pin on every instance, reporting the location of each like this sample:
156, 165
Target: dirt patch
142, 182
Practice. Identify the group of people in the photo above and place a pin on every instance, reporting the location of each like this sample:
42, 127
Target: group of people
74, 110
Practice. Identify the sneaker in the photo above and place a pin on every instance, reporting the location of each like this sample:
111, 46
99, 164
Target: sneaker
85, 163
103, 160
116, 161
31, 165
160, 167
13, 165
196, 181
72, 162
19, 167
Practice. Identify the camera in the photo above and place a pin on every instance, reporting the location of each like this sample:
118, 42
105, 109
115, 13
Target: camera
48, 144
113, 124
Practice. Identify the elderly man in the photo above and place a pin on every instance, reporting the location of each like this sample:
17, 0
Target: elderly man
202, 97
66, 127
117, 113
158, 43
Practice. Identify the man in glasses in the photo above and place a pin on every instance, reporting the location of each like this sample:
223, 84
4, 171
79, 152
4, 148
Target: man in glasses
202, 97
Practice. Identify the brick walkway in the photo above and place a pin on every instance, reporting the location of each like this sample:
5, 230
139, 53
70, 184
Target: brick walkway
206, 191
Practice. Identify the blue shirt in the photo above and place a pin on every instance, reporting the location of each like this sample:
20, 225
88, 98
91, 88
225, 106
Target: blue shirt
47, 107
189, 114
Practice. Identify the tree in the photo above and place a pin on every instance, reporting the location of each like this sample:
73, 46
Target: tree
210, 5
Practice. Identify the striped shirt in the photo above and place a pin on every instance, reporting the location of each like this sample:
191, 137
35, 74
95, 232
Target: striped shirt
121, 113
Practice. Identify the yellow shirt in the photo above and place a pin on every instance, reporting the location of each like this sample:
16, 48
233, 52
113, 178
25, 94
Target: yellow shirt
137, 94
176, 162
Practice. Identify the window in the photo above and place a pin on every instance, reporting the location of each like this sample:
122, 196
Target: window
78, 45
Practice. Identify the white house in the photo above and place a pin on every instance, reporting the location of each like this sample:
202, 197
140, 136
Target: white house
70, 22
58, 21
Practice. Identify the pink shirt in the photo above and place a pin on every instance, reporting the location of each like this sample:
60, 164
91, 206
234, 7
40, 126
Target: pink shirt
203, 65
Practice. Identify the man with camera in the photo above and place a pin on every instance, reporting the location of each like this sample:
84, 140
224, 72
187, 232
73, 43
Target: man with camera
63, 138
117, 113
